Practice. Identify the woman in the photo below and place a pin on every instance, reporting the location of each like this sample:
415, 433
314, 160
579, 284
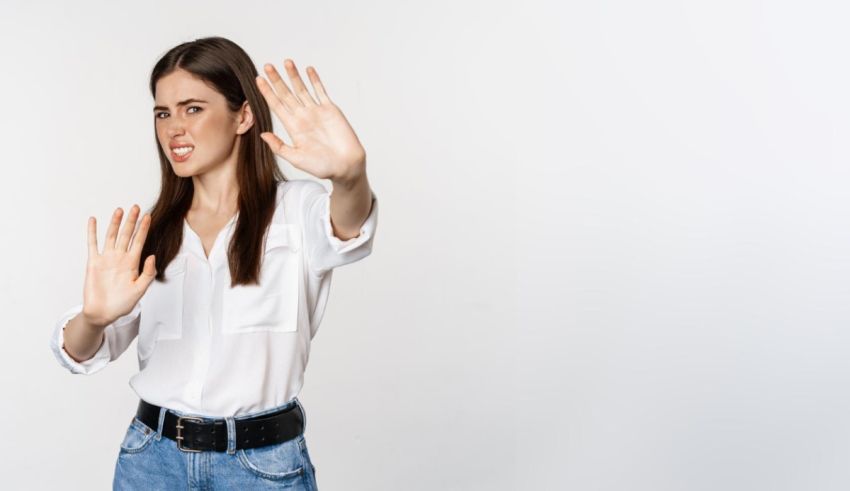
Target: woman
236, 263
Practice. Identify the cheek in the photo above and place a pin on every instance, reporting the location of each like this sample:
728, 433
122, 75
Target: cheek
212, 133
161, 137
212, 126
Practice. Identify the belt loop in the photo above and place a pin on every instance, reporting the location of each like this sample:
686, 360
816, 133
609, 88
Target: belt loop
160, 424
303, 415
231, 435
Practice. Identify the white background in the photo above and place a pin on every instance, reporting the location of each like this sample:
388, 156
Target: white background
611, 254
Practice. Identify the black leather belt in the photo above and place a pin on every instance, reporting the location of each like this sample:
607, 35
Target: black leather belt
195, 434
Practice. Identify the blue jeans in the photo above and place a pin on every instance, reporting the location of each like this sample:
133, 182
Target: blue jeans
148, 461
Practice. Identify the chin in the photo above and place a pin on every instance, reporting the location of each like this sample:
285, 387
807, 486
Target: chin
182, 171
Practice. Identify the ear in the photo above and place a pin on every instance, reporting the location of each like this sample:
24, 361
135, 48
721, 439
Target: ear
245, 119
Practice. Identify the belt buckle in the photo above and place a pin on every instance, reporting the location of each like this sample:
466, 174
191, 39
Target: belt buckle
179, 436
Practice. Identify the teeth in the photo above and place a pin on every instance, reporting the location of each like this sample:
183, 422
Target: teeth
182, 150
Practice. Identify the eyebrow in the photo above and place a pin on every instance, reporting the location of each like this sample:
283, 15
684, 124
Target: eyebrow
181, 103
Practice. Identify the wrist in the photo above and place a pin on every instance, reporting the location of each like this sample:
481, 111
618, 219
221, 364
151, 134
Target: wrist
94, 324
354, 175
350, 181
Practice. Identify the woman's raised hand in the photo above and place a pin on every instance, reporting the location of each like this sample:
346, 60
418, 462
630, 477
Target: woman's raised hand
113, 284
323, 143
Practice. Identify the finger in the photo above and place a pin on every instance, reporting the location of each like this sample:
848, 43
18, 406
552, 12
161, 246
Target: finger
279, 107
298, 83
127, 229
318, 88
112, 231
141, 235
92, 237
269, 94
281, 88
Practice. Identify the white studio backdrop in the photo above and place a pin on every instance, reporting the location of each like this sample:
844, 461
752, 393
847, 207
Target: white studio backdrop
611, 255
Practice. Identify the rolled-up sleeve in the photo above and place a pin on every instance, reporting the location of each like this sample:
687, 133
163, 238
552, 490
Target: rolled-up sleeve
118, 336
325, 251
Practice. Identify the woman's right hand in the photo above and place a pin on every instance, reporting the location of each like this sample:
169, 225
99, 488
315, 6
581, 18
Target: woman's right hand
113, 284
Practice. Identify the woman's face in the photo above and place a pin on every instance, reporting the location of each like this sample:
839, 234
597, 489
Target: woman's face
190, 114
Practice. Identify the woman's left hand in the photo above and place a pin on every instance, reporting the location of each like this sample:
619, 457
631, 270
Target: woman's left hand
323, 143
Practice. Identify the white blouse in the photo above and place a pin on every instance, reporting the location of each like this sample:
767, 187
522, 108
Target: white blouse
208, 349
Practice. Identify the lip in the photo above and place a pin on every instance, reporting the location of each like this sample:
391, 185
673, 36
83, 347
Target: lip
181, 158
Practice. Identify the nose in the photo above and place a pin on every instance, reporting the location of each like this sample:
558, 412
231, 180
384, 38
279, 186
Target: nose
175, 130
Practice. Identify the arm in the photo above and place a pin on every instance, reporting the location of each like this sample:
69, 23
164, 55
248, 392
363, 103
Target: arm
324, 145
83, 339
350, 204
111, 296
324, 247
111, 342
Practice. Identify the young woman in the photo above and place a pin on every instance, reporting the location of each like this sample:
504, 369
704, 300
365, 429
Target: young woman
236, 264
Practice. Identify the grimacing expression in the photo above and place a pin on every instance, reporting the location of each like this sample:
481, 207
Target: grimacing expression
189, 113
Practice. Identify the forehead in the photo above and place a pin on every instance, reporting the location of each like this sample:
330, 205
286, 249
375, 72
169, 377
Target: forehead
180, 85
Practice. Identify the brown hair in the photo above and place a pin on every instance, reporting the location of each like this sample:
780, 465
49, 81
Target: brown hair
227, 68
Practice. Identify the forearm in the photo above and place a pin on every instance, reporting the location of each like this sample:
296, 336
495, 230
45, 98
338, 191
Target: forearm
351, 202
83, 339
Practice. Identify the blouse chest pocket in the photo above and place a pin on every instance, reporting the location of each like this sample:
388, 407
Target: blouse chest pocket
271, 306
162, 306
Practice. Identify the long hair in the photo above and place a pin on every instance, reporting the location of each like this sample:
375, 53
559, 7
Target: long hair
227, 68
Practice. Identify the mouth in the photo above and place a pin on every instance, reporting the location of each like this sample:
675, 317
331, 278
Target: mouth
181, 154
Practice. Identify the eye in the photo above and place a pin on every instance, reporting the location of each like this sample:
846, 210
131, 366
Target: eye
199, 109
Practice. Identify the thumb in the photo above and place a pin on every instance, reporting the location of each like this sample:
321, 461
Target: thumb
278, 146
148, 272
